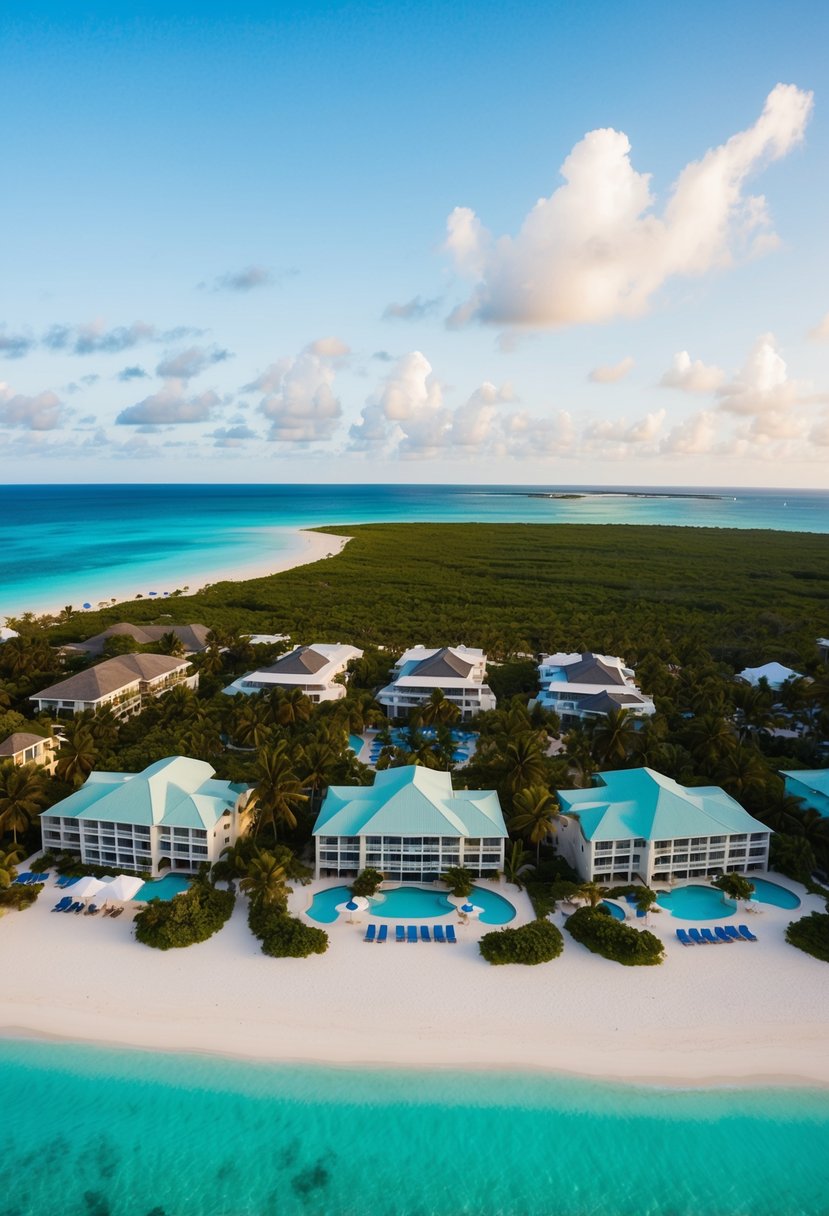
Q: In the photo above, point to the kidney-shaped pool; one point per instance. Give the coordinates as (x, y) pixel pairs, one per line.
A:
(412, 903)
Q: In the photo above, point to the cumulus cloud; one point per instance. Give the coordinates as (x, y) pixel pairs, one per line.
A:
(820, 333)
(168, 406)
(407, 407)
(694, 436)
(413, 310)
(15, 346)
(233, 436)
(762, 386)
(93, 337)
(645, 430)
(41, 412)
(186, 364)
(596, 248)
(692, 376)
(610, 373)
(299, 398)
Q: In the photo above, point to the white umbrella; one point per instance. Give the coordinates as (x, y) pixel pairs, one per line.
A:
(357, 903)
(122, 888)
(470, 911)
(86, 887)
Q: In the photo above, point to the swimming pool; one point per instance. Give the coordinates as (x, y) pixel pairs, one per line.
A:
(465, 742)
(707, 903)
(412, 903)
(614, 909)
(162, 888)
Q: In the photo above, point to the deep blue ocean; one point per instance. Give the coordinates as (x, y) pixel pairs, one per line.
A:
(83, 544)
(91, 1132)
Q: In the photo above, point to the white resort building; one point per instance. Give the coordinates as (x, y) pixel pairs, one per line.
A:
(638, 824)
(458, 672)
(117, 684)
(173, 816)
(25, 748)
(584, 686)
(411, 825)
(317, 670)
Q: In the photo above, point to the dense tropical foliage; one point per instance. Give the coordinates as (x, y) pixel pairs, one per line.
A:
(190, 917)
(602, 934)
(540, 941)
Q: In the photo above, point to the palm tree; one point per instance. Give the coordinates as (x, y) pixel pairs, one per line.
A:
(22, 796)
(264, 881)
(278, 792)
(439, 709)
(523, 763)
(77, 754)
(742, 772)
(592, 892)
(711, 738)
(317, 761)
(8, 865)
(535, 811)
(516, 864)
(614, 737)
(170, 643)
(293, 706)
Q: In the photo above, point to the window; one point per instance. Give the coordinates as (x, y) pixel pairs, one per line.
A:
(639, 843)
(603, 846)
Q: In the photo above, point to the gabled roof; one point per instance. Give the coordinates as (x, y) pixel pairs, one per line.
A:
(111, 676)
(444, 662)
(410, 801)
(605, 701)
(640, 802)
(305, 660)
(592, 669)
(178, 791)
(19, 741)
(192, 637)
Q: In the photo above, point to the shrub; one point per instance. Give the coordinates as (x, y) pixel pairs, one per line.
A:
(792, 856)
(190, 917)
(596, 929)
(19, 895)
(284, 936)
(459, 880)
(735, 886)
(367, 883)
(537, 942)
(811, 934)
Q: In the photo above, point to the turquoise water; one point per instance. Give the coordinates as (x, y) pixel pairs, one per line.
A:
(613, 909)
(110, 1133)
(772, 893)
(162, 888)
(466, 742)
(94, 542)
(707, 903)
(412, 903)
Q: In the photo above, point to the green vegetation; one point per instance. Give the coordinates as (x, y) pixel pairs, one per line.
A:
(459, 880)
(811, 934)
(284, 936)
(19, 897)
(537, 942)
(191, 917)
(735, 886)
(602, 934)
(367, 883)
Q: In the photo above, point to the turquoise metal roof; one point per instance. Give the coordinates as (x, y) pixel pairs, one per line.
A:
(814, 779)
(410, 801)
(639, 802)
(178, 792)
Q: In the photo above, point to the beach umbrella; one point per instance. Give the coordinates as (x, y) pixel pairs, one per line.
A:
(86, 887)
(87, 605)
(153, 593)
(357, 903)
(470, 911)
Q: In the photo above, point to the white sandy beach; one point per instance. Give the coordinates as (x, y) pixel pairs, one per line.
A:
(749, 1013)
(304, 547)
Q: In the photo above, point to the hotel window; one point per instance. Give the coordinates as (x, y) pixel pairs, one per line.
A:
(678, 857)
(681, 844)
(181, 832)
(662, 844)
(604, 846)
(640, 843)
(758, 836)
(717, 840)
(737, 837)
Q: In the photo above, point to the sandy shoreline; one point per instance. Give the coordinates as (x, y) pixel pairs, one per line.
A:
(307, 547)
(749, 1015)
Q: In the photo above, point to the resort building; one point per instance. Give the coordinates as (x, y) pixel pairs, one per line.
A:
(173, 816)
(638, 824)
(193, 638)
(823, 649)
(410, 824)
(117, 684)
(810, 784)
(457, 671)
(25, 748)
(318, 671)
(774, 674)
(584, 686)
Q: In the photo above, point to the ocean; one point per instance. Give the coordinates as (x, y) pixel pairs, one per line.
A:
(85, 544)
(93, 1132)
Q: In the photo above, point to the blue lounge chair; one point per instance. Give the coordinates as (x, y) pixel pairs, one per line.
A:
(745, 932)
(450, 935)
(696, 937)
(708, 936)
(21, 879)
(371, 933)
(438, 933)
(411, 933)
(684, 938)
(63, 904)
(732, 934)
(721, 934)
(425, 935)
(93, 910)
(383, 934)
(399, 933)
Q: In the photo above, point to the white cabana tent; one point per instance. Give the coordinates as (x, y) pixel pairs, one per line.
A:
(775, 675)
(86, 887)
(121, 888)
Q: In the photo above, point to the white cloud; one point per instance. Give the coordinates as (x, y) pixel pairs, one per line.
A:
(762, 385)
(610, 373)
(299, 400)
(186, 364)
(41, 412)
(692, 376)
(595, 249)
(93, 337)
(694, 436)
(820, 333)
(645, 430)
(413, 310)
(407, 409)
(169, 406)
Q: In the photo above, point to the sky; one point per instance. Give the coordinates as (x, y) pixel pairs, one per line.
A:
(542, 243)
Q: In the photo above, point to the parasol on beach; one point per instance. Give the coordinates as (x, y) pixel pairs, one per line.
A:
(357, 903)
(469, 911)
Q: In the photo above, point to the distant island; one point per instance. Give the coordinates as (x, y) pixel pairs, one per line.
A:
(620, 494)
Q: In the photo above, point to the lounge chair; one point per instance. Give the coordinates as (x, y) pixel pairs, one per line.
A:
(684, 938)
(745, 932)
(62, 904)
(92, 910)
(383, 933)
(411, 933)
(78, 907)
(450, 935)
(20, 881)
(721, 934)
(425, 935)
(732, 934)
(371, 933)
(399, 933)
(116, 912)
(696, 937)
(438, 933)
(708, 936)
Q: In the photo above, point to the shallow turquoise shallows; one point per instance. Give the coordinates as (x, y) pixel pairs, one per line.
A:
(412, 903)
(162, 888)
(111, 1133)
(707, 903)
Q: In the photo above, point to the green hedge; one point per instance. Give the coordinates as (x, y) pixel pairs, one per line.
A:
(811, 934)
(538, 942)
(284, 936)
(186, 919)
(596, 929)
(19, 895)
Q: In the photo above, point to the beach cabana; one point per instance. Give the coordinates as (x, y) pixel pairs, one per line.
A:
(122, 888)
(86, 887)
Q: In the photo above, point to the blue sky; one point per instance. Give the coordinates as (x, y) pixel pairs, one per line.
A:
(301, 243)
